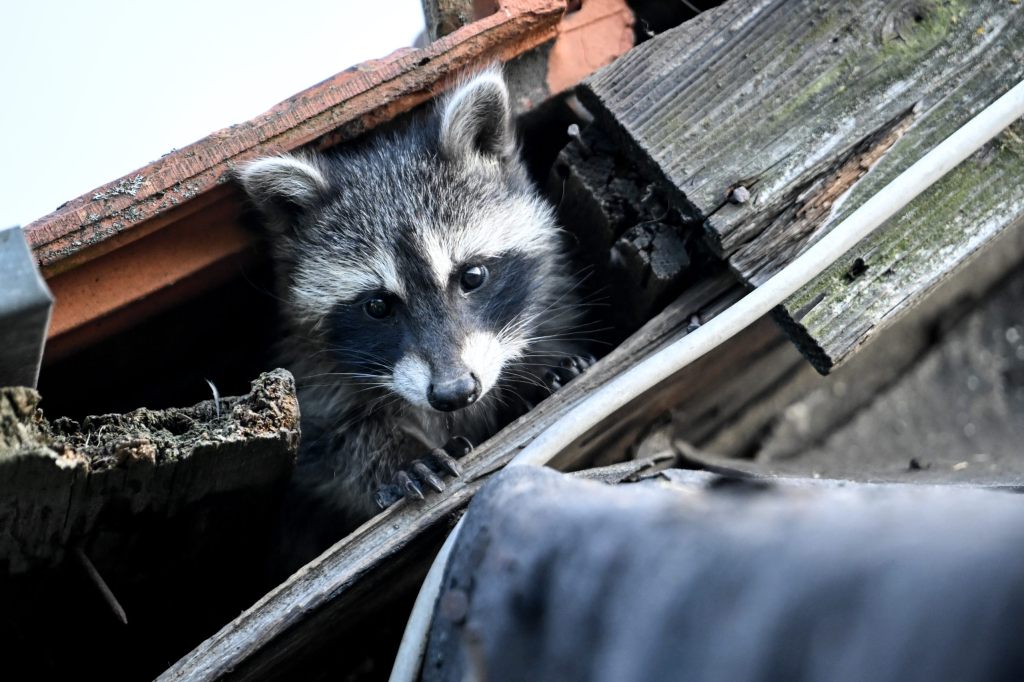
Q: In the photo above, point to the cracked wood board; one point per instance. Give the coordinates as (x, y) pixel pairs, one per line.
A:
(167, 207)
(357, 576)
(813, 107)
(60, 481)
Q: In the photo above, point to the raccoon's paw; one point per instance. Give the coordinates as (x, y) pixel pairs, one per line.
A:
(429, 470)
(568, 369)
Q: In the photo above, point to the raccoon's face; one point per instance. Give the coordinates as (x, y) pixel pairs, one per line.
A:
(421, 262)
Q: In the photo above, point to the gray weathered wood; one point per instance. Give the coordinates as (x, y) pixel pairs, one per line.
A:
(61, 481)
(362, 571)
(748, 410)
(955, 414)
(813, 107)
(25, 305)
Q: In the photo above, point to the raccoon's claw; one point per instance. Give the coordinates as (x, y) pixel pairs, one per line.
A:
(568, 369)
(442, 460)
(408, 485)
(428, 471)
(428, 476)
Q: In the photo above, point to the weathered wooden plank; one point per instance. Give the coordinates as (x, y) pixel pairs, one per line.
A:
(330, 593)
(949, 407)
(779, 408)
(888, 273)
(61, 481)
(811, 108)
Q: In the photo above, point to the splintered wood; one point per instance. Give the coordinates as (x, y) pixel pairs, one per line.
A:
(799, 111)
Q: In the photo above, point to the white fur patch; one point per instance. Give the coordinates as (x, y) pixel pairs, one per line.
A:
(321, 283)
(484, 355)
(522, 225)
(439, 256)
(411, 380)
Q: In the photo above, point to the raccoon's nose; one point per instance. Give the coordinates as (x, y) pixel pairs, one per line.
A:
(454, 394)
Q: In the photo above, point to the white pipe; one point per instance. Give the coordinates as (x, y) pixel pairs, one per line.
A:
(658, 367)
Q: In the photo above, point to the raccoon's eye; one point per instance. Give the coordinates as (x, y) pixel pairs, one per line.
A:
(473, 277)
(378, 308)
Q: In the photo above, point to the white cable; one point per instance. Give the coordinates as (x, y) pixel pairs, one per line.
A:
(658, 367)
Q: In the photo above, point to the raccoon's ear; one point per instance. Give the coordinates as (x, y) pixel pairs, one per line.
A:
(476, 119)
(283, 187)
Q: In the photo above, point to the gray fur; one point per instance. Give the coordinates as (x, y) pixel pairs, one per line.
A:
(405, 212)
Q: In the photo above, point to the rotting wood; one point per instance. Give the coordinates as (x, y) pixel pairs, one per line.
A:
(812, 108)
(627, 228)
(334, 589)
(186, 185)
(734, 413)
(59, 479)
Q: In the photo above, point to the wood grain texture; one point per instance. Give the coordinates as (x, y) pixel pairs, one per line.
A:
(813, 107)
(359, 573)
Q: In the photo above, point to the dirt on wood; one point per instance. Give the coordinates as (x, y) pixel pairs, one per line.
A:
(156, 436)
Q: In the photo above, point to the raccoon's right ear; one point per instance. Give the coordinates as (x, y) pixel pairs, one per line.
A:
(284, 187)
(476, 119)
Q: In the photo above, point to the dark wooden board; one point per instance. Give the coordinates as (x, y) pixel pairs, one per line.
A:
(813, 107)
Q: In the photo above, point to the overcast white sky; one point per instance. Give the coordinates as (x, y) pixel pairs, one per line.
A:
(91, 90)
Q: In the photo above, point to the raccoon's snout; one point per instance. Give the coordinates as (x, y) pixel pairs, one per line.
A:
(454, 394)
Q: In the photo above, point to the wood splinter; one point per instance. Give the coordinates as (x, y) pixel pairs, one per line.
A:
(101, 585)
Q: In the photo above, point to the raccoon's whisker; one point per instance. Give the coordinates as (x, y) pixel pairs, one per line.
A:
(576, 329)
(527, 378)
(531, 318)
(357, 352)
(568, 337)
(356, 375)
(262, 290)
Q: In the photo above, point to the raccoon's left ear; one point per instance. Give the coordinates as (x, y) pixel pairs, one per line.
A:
(284, 187)
(477, 120)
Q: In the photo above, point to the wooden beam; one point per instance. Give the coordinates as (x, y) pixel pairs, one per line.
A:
(807, 109)
(184, 188)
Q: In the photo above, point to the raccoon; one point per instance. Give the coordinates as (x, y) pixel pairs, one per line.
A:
(425, 289)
